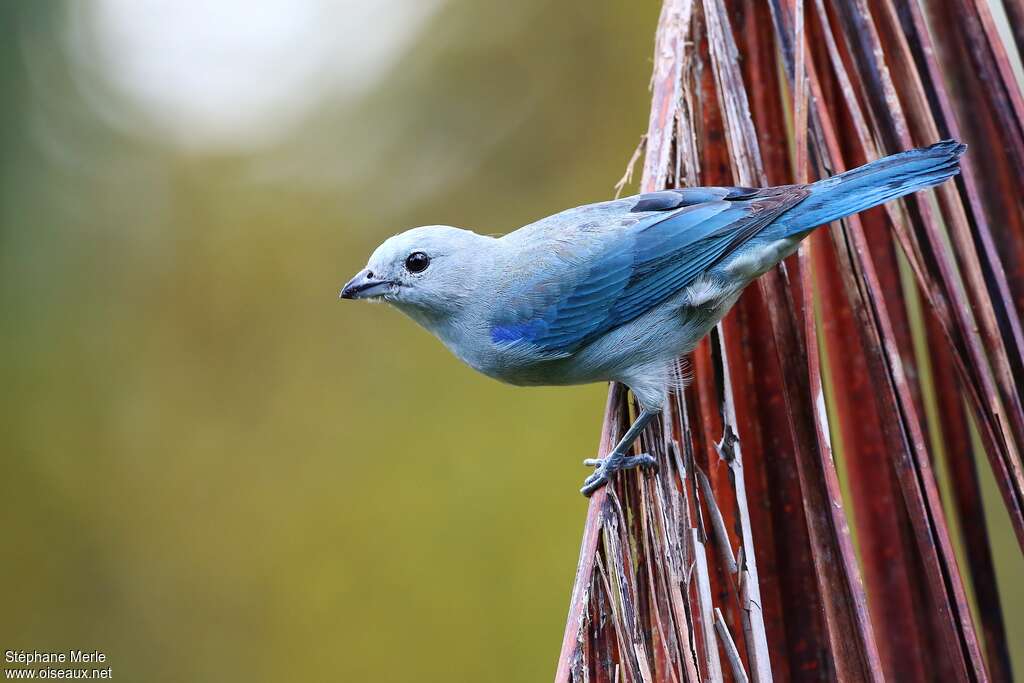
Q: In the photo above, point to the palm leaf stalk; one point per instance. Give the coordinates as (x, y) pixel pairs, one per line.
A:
(883, 345)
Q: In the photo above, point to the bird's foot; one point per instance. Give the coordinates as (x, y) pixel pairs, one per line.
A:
(606, 467)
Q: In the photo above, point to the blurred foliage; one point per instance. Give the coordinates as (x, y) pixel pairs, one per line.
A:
(212, 470)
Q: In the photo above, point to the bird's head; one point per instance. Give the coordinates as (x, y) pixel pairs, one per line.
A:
(428, 271)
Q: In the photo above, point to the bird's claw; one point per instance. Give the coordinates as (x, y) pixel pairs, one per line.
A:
(608, 466)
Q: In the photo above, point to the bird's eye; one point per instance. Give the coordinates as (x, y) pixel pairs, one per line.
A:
(417, 262)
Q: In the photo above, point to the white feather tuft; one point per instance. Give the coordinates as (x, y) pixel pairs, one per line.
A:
(702, 291)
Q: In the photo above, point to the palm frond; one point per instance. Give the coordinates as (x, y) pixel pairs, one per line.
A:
(876, 351)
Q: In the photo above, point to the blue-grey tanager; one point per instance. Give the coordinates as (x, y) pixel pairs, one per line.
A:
(618, 290)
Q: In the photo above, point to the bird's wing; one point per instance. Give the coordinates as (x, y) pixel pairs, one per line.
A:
(587, 278)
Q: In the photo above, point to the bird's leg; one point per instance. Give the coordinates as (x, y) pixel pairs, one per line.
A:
(617, 459)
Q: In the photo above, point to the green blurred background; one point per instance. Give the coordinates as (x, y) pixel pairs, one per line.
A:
(211, 469)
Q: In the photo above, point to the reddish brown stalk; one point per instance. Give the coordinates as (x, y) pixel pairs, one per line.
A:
(963, 477)
(666, 85)
(734, 560)
(885, 262)
(906, 442)
(575, 630)
(911, 20)
(1003, 357)
(897, 602)
(957, 317)
(852, 645)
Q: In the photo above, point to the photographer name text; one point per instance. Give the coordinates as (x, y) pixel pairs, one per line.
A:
(26, 664)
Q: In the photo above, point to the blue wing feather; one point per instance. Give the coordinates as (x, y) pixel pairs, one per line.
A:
(617, 274)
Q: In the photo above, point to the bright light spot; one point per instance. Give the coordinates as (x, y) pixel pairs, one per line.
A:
(239, 72)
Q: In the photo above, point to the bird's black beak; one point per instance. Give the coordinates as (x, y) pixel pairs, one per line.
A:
(364, 286)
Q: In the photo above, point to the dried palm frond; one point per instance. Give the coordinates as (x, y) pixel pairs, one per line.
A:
(895, 334)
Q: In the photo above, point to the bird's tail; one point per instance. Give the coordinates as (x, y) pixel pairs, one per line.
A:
(873, 184)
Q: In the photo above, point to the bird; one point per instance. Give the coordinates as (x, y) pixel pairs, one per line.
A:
(619, 290)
